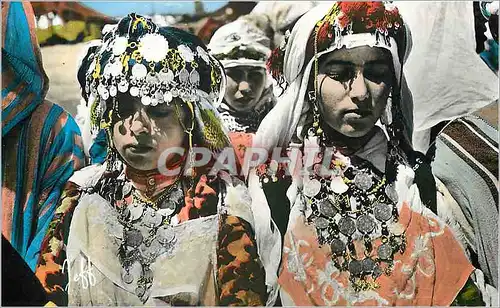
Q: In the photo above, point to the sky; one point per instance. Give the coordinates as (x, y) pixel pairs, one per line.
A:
(121, 8)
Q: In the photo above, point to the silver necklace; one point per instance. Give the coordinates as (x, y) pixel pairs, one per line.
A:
(362, 211)
(147, 234)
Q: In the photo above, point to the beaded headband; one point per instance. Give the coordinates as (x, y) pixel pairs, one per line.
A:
(345, 18)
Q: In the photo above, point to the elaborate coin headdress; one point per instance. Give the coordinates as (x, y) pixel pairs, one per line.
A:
(156, 65)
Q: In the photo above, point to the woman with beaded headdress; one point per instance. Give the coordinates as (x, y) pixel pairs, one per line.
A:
(362, 228)
(149, 225)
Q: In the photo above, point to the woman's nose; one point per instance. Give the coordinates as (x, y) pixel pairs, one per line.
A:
(358, 88)
(140, 122)
(244, 88)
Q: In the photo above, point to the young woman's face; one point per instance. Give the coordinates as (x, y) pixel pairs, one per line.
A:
(355, 84)
(143, 132)
(244, 86)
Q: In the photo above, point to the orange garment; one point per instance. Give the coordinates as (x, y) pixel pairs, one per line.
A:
(240, 142)
(431, 271)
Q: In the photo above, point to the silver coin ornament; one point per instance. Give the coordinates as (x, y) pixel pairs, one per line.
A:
(127, 277)
(382, 211)
(134, 91)
(365, 224)
(337, 246)
(368, 265)
(152, 251)
(363, 181)
(126, 189)
(355, 267)
(312, 187)
(347, 226)
(146, 100)
(384, 251)
(166, 234)
(390, 191)
(139, 71)
(113, 91)
(151, 219)
(165, 212)
(136, 211)
(133, 238)
(326, 208)
(123, 86)
(321, 223)
(140, 291)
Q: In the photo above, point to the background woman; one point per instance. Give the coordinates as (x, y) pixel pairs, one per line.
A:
(243, 50)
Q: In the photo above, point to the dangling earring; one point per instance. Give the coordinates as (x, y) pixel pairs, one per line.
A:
(189, 131)
(316, 129)
(386, 117)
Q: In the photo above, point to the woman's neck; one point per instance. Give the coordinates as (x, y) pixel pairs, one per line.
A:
(346, 145)
(149, 183)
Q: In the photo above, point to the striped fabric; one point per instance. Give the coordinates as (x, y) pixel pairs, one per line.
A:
(467, 163)
(41, 143)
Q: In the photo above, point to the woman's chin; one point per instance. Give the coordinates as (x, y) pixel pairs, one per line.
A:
(356, 130)
(142, 162)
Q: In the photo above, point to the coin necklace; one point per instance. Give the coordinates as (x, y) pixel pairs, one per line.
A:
(364, 207)
(147, 234)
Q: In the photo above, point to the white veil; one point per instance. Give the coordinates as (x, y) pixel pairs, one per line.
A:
(446, 76)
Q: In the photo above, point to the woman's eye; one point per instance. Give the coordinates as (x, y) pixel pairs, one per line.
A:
(235, 74)
(341, 75)
(378, 73)
(255, 77)
(125, 110)
(159, 111)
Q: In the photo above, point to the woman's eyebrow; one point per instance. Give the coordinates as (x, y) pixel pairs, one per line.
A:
(344, 62)
(338, 62)
(378, 61)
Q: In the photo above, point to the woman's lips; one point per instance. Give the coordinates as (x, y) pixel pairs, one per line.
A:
(356, 114)
(244, 100)
(139, 148)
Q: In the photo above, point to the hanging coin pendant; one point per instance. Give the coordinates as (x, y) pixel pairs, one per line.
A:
(390, 191)
(337, 246)
(382, 212)
(355, 267)
(368, 265)
(384, 251)
(312, 187)
(363, 181)
(151, 219)
(321, 223)
(126, 189)
(139, 291)
(147, 274)
(365, 224)
(326, 208)
(347, 226)
(166, 234)
(127, 277)
(133, 238)
(165, 212)
(126, 213)
(136, 211)
(152, 250)
(376, 272)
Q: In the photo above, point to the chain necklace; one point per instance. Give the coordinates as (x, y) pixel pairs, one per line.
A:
(147, 234)
(356, 203)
